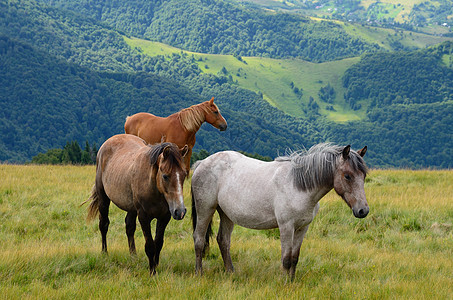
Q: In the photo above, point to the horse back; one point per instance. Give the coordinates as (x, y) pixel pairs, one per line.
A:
(244, 188)
(151, 128)
(116, 161)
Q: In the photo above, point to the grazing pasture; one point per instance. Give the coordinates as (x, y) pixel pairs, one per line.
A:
(403, 249)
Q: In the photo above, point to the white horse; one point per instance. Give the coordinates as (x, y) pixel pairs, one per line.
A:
(264, 195)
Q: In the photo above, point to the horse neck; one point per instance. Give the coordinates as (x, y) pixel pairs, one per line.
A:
(315, 186)
(193, 117)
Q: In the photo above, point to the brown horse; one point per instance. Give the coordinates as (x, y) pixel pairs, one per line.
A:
(179, 128)
(143, 180)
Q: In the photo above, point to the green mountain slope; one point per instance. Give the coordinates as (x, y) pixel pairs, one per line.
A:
(221, 27)
(45, 102)
(286, 84)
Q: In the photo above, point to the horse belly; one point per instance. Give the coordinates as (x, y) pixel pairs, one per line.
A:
(248, 209)
(121, 197)
(117, 188)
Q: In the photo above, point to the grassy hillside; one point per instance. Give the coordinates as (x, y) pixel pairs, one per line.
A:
(272, 78)
(275, 79)
(403, 248)
(393, 39)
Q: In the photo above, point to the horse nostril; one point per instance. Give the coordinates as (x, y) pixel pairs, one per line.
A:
(223, 127)
(179, 214)
(363, 212)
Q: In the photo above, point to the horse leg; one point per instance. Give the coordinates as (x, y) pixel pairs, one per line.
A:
(150, 248)
(286, 241)
(187, 160)
(295, 251)
(104, 203)
(199, 235)
(159, 239)
(224, 239)
(131, 225)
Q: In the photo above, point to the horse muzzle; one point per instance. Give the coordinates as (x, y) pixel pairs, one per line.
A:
(178, 214)
(223, 127)
(361, 212)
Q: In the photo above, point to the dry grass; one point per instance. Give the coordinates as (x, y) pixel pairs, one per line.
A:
(403, 249)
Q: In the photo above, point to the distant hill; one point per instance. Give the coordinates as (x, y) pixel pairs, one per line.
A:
(222, 27)
(433, 17)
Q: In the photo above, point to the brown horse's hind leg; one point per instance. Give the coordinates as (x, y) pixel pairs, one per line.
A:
(131, 225)
(224, 239)
(159, 239)
(150, 247)
(104, 203)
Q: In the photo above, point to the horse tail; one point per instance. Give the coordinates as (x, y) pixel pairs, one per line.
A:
(194, 225)
(127, 125)
(93, 209)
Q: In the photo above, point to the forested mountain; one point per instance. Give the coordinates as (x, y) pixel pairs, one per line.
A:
(400, 78)
(220, 27)
(66, 76)
(46, 102)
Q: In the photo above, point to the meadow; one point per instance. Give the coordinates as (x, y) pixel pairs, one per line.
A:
(403, 249)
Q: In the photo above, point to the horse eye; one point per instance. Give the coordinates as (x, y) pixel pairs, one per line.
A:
(165, 177)
(216, 112)
(347, 177)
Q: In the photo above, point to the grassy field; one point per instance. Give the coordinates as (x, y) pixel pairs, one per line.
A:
(403, 249)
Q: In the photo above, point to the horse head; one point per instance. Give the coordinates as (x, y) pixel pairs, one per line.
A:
(170, 178)
(214, 117)
(349, 180)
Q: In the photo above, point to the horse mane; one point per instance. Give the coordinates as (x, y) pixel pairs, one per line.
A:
(315, 167)
(174, 156)
(192, 117)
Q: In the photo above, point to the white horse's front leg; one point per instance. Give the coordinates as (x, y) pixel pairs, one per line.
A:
(299, 235)
(286, 241)
(291, 241)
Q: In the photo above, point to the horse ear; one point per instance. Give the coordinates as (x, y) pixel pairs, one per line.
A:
(362, 151)
(346, 151)
(184, 150)
(211, 102)
(166, 151)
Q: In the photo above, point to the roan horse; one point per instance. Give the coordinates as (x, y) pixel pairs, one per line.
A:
(264, 195)
(179, 128)
(143, 180)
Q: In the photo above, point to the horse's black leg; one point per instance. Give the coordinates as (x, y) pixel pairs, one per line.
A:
(104, 203)
(224, 239)
(131, 225)
(150, 248)
(297, 243)
(286, 241)
(159, 239)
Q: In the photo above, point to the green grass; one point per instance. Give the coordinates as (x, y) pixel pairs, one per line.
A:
(403, 249)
